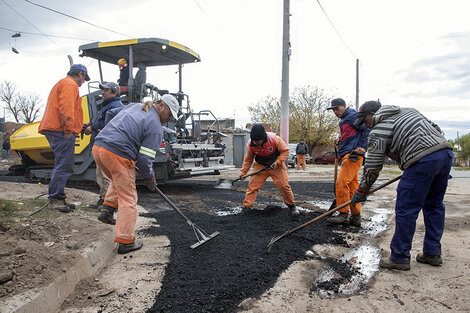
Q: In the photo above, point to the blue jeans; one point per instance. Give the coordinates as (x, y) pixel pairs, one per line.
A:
(6, 153)
(64, 152)
(422, 186)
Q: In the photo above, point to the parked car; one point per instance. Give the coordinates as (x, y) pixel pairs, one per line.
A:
(292, 159)
(327, 158)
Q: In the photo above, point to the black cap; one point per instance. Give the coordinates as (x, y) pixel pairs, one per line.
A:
(258, 132)
(365, 109)
(336, 103)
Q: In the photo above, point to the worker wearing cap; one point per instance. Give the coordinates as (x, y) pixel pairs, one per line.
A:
(130, 140)
(352, 147)
(123, 72)
(61, 123)
(267, 149)
(300, 151)
(421, 151)
(111, 100)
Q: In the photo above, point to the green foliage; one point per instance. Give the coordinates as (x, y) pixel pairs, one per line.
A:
(461, 147)
(308, 118)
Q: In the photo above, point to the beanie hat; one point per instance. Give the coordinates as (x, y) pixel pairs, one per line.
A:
(258, 132)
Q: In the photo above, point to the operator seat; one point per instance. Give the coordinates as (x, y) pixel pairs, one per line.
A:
(140, 80)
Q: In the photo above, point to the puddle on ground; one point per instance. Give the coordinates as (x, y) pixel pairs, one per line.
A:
(322, 204)
(377, 223)
(363, 260)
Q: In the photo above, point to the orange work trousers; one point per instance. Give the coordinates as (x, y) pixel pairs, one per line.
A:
(279, 177)
(300, 159)
(347, 183)
(121, 192)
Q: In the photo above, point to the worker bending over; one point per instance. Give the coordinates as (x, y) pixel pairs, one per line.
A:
(130, 140)
(420, 149)
(267, 149)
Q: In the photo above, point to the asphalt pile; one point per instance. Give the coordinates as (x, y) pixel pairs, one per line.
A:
(235, 265)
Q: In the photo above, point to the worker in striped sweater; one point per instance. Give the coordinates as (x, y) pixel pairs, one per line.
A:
(421, 151)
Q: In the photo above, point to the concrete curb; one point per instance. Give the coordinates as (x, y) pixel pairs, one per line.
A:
(50, 298)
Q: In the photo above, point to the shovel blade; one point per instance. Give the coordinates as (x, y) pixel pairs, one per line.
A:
(333, 205)
(204, 240)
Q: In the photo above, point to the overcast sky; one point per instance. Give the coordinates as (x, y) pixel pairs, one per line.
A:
(412, 53)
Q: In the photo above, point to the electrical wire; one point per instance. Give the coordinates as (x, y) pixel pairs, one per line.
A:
(29, 33)
(34, 26)
(75, 18)
(332, 25)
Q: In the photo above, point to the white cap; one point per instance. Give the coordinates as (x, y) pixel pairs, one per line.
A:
(172, 104)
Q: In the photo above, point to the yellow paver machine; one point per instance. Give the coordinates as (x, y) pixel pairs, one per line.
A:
(186, 151)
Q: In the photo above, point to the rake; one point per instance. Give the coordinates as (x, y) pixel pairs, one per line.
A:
(289, 232)
(201, 236)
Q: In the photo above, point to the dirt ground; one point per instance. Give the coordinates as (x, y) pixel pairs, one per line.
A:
(39, 248)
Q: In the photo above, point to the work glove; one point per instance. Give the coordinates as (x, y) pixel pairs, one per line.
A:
(151, 184)
(359, 196)
(353, 157)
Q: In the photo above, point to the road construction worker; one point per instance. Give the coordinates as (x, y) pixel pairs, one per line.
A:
(352, 147)
(123, 72)
(61, 123)
(301, 151)
(267, 149)
(111, 100)
(129, 141)
(420, 149)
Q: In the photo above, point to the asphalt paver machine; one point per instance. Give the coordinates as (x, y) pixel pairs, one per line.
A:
(187, 150)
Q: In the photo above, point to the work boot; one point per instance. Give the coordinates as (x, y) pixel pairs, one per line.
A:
(97, 204)
(245, 209)
(59, 205)
(389, 264)
(107, 215)
(434, 260)
(129, 247)
(341, 219)
(70, 205)
(355, 220)
(293, 210)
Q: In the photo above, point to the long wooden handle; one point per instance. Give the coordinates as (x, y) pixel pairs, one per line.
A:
(287, 233)
(255, 172)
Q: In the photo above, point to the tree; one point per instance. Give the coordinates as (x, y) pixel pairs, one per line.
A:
(24, 107)
(461, 147)
(8, 95)
(308, 118)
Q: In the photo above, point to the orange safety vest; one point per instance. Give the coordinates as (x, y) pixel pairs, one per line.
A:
(268, 153)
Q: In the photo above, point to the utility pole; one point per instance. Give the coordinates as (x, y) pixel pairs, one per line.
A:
(357, 84)
(285, 74)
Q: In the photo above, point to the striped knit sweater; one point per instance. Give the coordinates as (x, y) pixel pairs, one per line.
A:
(402, 134)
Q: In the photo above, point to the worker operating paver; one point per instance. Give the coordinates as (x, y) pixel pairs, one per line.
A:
(420, 149)
(130, 140)
(267, 149)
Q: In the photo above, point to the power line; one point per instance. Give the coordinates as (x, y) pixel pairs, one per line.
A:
(34, 26)
(337, 32)
(72, 17)
(56, 36)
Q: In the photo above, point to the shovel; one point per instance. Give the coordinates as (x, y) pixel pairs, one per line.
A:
(227, 184)
(333, 204)
(287, 233)
(201, 235)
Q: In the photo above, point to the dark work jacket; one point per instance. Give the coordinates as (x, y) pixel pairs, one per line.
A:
(352, 137)
(108, 104)
(124, 76)
(6, 145)
(301, 148)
